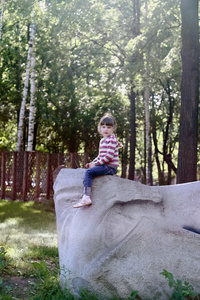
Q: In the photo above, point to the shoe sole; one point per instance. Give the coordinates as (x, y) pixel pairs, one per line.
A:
(81, 205)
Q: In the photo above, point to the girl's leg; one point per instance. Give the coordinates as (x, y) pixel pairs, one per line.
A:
(94, 172)
(87, 182)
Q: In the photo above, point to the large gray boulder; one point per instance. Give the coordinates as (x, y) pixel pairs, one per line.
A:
(128, 236)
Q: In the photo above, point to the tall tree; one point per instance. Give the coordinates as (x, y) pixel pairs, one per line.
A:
(187, 157)
(32, 107)
(148, 127)
(25, 92)
(135, 29)
(147, 110)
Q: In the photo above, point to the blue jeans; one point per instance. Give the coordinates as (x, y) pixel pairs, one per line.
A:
(96, 171)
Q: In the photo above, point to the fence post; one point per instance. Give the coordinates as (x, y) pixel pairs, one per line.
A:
(3, 174)
(48, 175)
(25, 176)
(19, 173)
(38, 171)
(13, 196)
(21, 170)
(86, 158)
(60, 159)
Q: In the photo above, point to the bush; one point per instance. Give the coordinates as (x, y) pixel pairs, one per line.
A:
(48, 286)
(181, 291)
(3, 262)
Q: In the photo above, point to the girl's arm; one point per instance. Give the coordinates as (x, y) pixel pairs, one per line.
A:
(92, 164)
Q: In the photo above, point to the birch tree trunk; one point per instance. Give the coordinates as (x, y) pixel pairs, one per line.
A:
(32, 102)
(148, 127)
(1, 22)
(25, 92)
(147, 112)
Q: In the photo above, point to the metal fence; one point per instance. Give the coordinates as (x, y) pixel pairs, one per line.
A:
(29, 175)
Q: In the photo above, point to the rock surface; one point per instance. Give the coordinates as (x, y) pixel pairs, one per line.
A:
(131, 232)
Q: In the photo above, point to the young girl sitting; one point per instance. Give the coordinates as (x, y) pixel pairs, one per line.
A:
(106, 162)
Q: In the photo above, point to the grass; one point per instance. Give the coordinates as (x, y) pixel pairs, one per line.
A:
(27, 232)
(29, 264)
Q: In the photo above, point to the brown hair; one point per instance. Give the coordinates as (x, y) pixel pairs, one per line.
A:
(108, 120)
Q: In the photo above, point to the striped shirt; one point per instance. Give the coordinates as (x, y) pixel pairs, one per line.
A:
(108, 152)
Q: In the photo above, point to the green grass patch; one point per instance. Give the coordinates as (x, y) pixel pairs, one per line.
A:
(27, 232)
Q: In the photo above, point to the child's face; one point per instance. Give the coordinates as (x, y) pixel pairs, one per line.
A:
(106, 130)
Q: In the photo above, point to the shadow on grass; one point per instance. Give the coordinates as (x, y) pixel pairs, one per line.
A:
(29, 214)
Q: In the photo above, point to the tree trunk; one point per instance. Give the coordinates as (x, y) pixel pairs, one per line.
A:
(161, 179)
(187, 156)
(148, 128)
(1, 22)
(124, 158)
(144, 167)
(147, 111)
(32, 102)
(135, 32)
(133, 137)
(25, 92)
(167, 156)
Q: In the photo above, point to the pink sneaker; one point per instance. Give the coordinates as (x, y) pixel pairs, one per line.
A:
(85, 200)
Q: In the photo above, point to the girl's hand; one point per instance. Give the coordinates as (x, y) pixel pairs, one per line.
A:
(90, 165)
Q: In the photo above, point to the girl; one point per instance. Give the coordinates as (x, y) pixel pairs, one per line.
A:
(106, 162)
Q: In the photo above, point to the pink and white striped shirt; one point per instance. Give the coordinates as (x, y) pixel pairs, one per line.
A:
(108, 152)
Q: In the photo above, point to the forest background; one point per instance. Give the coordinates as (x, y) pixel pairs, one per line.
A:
(63, 64)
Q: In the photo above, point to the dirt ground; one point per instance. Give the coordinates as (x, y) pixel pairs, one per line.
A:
(21, 287)
(18, 286)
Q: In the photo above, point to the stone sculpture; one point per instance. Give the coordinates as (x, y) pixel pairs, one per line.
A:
(128, 236)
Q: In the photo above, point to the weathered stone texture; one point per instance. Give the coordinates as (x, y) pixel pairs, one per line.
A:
(128, 236)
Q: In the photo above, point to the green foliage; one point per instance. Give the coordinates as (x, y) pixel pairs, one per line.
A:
(3, 262)
(6, 296)
(4, 290)
(133, 295)
(48, 286)
(48, 283)
(86, 295)
(181, 291)
(87, 55)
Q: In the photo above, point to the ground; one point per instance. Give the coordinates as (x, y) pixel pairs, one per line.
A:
(19, 287)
